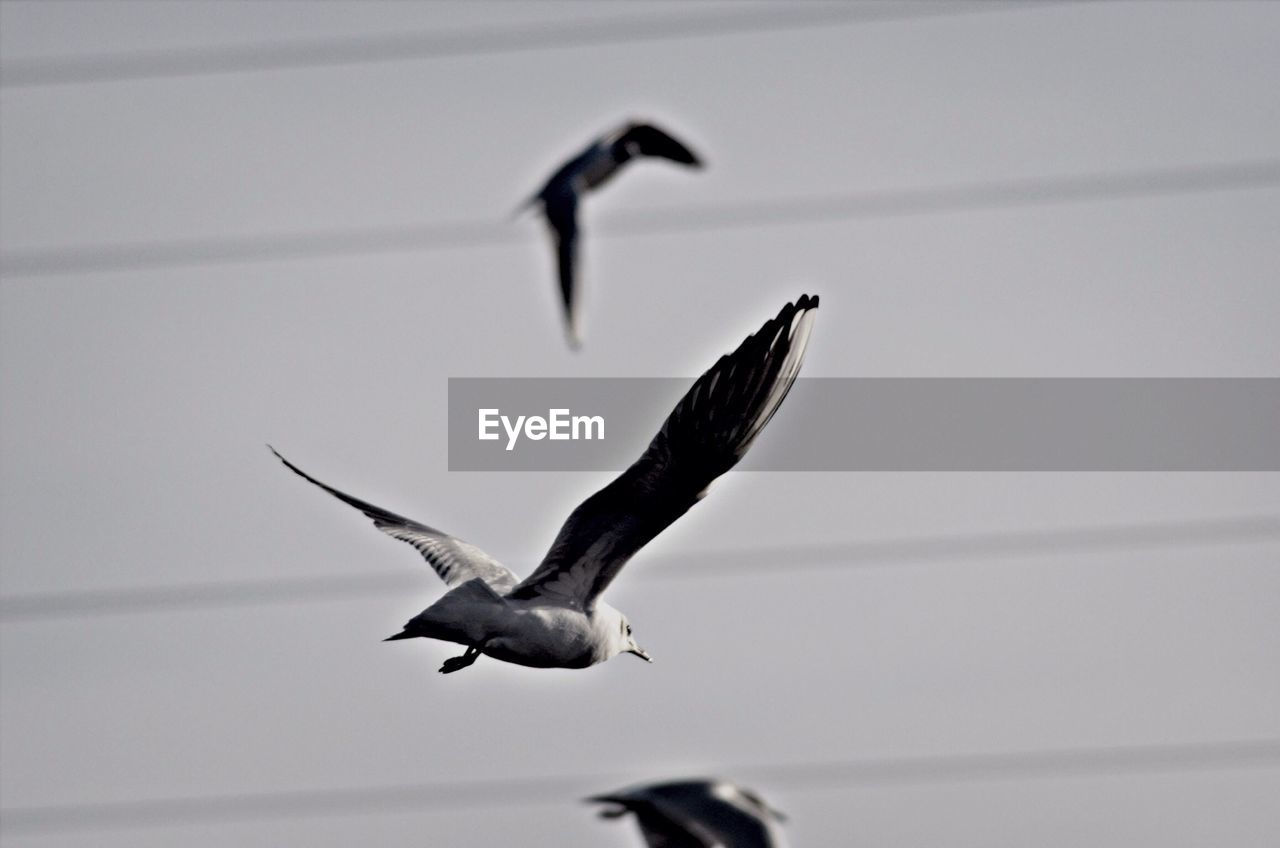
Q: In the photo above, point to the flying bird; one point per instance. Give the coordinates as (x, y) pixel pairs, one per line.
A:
(588, 170)
(696, 814)
(554, 618)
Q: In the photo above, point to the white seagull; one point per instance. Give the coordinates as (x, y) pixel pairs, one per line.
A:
(588, 170)
(555, 618)
(696, 814)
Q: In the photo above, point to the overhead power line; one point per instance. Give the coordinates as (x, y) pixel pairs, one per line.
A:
(710, 564)
(566, 789)
(1000, 194)
(474, 41)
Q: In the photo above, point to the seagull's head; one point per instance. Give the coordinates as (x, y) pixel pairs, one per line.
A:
(618, 630)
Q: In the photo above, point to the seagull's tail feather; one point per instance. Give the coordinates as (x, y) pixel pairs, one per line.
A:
(403, 634)
(616, 809)
(463, 615)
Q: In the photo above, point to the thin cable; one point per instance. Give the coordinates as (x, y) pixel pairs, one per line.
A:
(565, 789)
(475, 41)
(704, 565)
(1003, 194)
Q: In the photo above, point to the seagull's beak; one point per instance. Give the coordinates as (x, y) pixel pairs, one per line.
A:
(639, 652)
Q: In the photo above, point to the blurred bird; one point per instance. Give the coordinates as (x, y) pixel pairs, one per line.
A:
(554, 618)
(696, 814)
(588, 170)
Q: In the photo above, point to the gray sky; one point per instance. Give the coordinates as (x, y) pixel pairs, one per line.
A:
(136, 403)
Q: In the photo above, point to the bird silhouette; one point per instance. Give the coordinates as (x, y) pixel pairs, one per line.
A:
(555, 618)
(696, 814)
(588, 170)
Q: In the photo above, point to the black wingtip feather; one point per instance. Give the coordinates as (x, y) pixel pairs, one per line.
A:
(655, 141)
(372, 511)
(727, 407)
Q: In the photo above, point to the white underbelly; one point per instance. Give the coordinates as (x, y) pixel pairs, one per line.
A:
(545, 637)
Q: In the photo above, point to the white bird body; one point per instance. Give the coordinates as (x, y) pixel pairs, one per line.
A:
(555, 618)
(530, 633)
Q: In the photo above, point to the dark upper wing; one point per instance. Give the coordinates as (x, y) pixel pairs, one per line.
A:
(659, 828)
(662, 830)
(561, 208)
(454, 560)
(706, 434)
(648, 140)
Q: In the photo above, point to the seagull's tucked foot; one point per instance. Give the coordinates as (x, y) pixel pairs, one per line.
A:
(458, 663)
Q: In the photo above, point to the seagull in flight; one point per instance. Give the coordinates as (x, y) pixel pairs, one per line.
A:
(588, 170)
(696, 814)
(554, 618)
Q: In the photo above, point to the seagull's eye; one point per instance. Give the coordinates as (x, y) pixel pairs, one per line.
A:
(628, 629)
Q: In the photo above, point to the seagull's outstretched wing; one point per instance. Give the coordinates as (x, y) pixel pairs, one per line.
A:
(648, 140)
(707, 433)
(561, 209)
(454, 560)
(695, 814)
